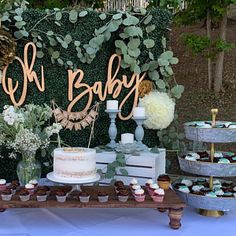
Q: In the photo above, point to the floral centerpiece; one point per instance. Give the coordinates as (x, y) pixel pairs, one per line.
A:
(25, 131)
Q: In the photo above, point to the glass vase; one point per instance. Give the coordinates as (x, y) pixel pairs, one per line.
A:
(28, 168)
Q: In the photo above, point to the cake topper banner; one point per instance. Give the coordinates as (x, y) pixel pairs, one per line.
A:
(113, 85)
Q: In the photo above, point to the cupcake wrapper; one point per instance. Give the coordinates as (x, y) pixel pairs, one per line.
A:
(102, 198)
(140, 198)
(84, 199)
(3, 187)
(123, 198)
(6, 197)
(13, 191)
(41, 198)
(157, 198)
(31, 191)
(61, 198)
(164, 185)
(25, 198)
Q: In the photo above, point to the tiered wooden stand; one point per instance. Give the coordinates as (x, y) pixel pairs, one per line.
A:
(171, 202)
(209, 206)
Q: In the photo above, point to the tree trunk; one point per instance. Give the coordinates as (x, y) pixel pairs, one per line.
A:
(220, 57)
(209, 60)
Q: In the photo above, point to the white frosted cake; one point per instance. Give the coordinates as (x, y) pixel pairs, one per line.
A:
(74, 163)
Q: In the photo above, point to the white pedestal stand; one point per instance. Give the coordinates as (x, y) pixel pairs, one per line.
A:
(74, 183)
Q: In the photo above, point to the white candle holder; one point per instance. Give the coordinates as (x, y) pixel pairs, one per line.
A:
(139, 132)
(112, 128)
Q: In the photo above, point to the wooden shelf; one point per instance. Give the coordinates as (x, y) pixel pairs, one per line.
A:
(171, 202)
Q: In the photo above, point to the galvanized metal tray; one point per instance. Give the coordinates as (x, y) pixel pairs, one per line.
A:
(207, 203)
(207, 168)
(210, 135)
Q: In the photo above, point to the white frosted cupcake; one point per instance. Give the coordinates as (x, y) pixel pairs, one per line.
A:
(3, 183)
(139, 195)
(133, 182)
(148, 183)
(30, 188)
(135, 187)
(152, 188)
(158, 195)
(34, 182)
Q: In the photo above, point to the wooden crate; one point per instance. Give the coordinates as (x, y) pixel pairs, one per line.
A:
(146, 166)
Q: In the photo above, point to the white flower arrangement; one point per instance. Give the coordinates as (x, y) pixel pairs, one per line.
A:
(24, 130)
(159, 109)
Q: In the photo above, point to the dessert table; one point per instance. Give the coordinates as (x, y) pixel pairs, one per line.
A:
(87, 222)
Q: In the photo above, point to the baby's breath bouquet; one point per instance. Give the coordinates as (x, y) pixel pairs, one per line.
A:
(26, 130)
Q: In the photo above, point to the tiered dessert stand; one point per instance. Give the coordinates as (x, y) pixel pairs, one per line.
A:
(209, 206)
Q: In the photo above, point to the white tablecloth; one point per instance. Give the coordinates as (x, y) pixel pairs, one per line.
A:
(96, 222)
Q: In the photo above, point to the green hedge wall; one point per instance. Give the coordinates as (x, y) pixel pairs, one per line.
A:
(56, 79)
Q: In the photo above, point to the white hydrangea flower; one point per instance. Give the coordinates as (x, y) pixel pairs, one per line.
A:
(159, 109)
(54, 129)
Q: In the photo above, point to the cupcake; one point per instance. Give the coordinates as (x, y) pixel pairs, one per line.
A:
(158, 195)
(34, 182)
(148, 183)
(123, 195)
(102, 196)
(41, 195)
(133, 182)
(2, 184)
(135, 187)
(118, 185)
(139, 195)
(24, 195)
(152, 188)
(6, 195)
(30, 188)
(61, 196)
(84, 197)
(12, 188)
(16, 184)
(45, 188)
(164, 181)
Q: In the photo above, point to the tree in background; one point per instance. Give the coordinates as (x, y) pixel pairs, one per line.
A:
(211, 11)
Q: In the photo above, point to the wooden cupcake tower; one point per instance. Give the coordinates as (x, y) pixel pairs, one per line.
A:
(209, 206)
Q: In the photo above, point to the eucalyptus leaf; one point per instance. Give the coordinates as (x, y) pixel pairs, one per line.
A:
(58, 16)
(50, 33)
(83, 13)
(154, 75)
(174, 60)
(112, 27)
(149, 43)
(103, 16)
(68, 39)
(39, 44)
(151, 56)
(134, 43)
(160, 84)
(150, 28)
(163, 62)
(73, 15)
(69, 63)
(120, 44)
(145, 67)
(177, 91)
(57, 23)
(123, 172)
(90, 50)
(18, 18)
(137, 69)
(134, 53)
(77, 43)
(64, 44)
(131, 20)
(40, 54)
(117, 16)
(169, 70)
(56, 54)
(19, 11)
(148, 20)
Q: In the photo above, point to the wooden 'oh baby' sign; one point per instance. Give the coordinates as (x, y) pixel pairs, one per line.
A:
(113, 85)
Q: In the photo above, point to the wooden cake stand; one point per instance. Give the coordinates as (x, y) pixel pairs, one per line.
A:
(171, 203)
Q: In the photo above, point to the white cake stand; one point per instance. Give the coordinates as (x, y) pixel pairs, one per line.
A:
(75, 183)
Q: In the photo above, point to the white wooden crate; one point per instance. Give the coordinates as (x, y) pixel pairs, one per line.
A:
(146, 166)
